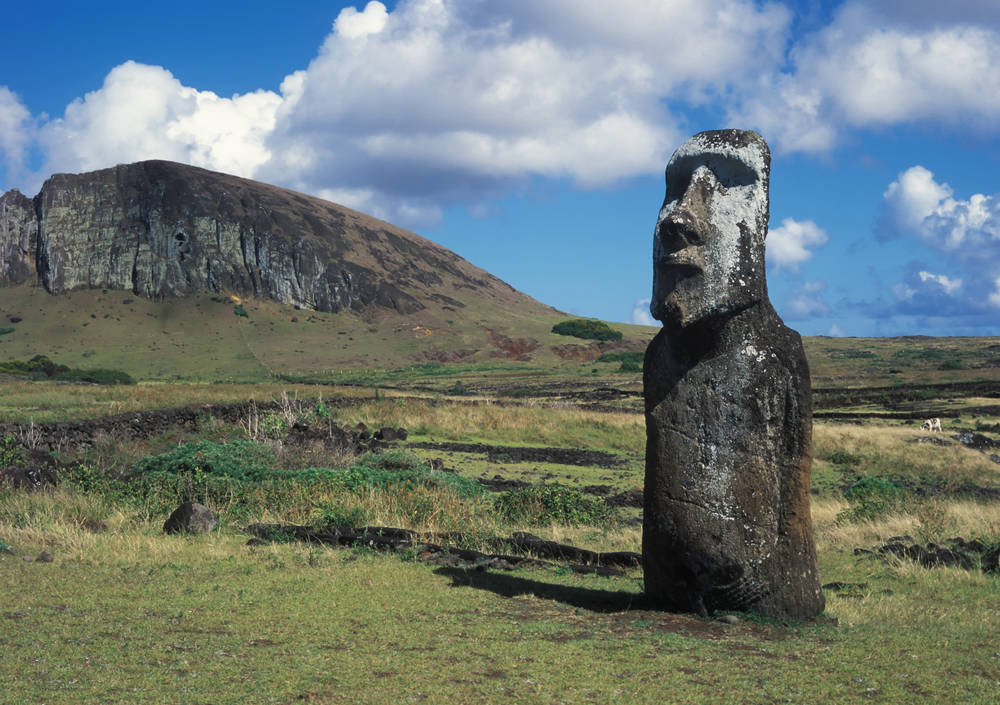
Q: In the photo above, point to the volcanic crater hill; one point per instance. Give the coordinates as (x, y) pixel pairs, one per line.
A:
(162, 229)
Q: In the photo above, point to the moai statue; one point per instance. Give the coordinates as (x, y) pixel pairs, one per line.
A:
(728, 405)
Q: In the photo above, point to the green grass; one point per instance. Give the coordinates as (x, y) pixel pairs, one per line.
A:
(130, 615)
(125, 614)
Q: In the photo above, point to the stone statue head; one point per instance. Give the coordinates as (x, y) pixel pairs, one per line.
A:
(708, 249)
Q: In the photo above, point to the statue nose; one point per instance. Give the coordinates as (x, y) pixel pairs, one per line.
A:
(685, 223)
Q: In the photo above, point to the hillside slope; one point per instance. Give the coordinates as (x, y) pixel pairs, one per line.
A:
(161, 230)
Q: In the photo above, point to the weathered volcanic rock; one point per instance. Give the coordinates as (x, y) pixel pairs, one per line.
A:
(162, 229)
(728, 406)
(192, 518)
(18, 238)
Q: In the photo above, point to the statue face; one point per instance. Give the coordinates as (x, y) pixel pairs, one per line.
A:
(708, 248)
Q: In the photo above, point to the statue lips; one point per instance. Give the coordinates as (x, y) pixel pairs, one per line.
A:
(682, 256)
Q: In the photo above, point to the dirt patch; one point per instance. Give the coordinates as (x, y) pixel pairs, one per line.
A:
(519, 349)
(592, 351)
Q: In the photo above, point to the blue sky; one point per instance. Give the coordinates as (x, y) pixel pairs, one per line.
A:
(530, 136)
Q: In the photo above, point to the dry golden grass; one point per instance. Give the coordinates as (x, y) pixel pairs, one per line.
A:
(23, 401)
(933, 519)
(893, 450)
(533, 425)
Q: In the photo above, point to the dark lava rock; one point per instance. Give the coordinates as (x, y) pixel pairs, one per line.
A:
(599, 490)
(502, 484)
(192, 518)
(934, 440)
(728, 403)
(957, 552)
(31, 477)
(976, 441)
(628, 498)
(387, 433)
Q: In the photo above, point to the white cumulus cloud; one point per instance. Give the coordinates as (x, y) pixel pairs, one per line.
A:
(916, 204)
(641, 315)
(792, 242)
(879, 64)
(950, 286)
(144, 112)
(16, 127)
(353, 24)
(437, 102)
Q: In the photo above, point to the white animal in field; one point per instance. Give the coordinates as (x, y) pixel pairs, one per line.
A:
(931, 425)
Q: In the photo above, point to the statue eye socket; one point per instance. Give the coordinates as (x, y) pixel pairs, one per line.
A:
(728, 172)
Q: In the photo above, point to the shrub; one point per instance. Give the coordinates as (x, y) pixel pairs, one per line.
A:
(41, 367)
(98, 376)
(870, 498)
(842, 457)
(633, 356)
(240, 460)
(552, 504)
(240, 311)
(11, 452)
(587, 328)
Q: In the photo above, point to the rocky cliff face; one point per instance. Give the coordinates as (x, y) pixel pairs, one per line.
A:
(18, 238)
(162, 229)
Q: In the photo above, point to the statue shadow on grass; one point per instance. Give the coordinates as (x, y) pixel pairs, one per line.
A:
(507, 585)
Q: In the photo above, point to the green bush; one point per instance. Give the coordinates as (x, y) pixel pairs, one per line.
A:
(554, 504)
(842, 457)
(98, 376)
(240, 311)
(587, 328)
(870, 498)
(41, 367)
(243, 461)
(11, 452)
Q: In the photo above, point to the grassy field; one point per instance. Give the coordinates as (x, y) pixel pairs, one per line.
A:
(123, 613)
(126, 614)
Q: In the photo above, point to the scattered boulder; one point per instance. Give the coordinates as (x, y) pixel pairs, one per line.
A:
(191, 518)
(45, 557)
(389, 434)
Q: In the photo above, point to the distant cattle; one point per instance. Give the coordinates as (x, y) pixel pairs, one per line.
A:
(932, 425)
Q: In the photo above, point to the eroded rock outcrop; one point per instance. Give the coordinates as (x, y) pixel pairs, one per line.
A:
(728, 408)
(162, 229)
(18, 238)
